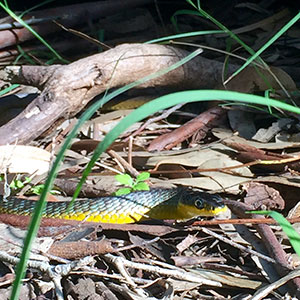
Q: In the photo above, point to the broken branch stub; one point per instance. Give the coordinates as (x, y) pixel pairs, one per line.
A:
(66, 89)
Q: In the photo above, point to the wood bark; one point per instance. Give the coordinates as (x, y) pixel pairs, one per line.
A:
(66, 89)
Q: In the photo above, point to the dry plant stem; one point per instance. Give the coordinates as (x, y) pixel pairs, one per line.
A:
(118, 263)
(132, 171)
(241, 221)
(95, 272)
(182, 275)
(59, 138)
(268, 237)
(52, 227)
(249, 164)
(225, 268)
(54, 272)
(162, 116)
(263, 292)
(236, 245)
(79, 249)
(130, 147)
(67, 89)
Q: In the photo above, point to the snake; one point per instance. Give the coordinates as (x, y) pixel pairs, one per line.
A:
(176, 204)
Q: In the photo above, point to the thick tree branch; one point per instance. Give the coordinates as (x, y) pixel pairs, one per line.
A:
(66, 89)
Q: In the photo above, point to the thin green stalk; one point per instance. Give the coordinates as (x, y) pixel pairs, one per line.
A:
(268, 44)
(18, 19)
(184, 35)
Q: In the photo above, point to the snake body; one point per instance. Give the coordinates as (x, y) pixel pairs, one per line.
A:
(178, 204)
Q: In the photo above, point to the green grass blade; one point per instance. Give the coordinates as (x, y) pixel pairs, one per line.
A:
(36, 218)
(184, 35)
(18, 19)
(25, 55)
(182, 12)
(35, 7)
(206, 15)
(269, 43)
(286, 226)
(8, 89)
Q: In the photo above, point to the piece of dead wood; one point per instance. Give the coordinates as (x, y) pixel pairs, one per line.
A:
(199, 125)
(79, 249)
(67, 89)
(53, 227)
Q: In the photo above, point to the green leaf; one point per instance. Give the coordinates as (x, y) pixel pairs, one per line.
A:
(125, 179)
(37, 190)
(142, 177)
(27, 179)
(123, 191)
(286, 226)
(19, 184)
(141, 186)
(16, 184)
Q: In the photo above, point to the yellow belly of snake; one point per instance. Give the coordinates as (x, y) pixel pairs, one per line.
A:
(175, 204)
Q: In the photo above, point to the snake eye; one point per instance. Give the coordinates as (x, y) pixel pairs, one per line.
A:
(199, 204)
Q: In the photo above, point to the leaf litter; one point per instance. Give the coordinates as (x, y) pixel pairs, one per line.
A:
(191, 260)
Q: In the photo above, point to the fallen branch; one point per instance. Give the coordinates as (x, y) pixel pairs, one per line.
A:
(66, 89)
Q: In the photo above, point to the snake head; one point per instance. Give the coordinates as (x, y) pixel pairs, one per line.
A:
(197, 203)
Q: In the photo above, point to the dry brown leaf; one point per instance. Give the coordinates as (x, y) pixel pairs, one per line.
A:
(249, 81)
(206, 159)
(263, 197)
(24, 159)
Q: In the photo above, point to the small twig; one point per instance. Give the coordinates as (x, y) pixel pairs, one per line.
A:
(241, 221)
(269, 239)
(117, 261)
(41, 266)
(137, 245)
(263, 292)
(130, 144)
(98, 164)
(164, 115)
(132, 171)
(181, 275)
(95, 272)
(54, 272)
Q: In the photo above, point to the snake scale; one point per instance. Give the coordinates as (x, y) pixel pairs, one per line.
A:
(178, 204)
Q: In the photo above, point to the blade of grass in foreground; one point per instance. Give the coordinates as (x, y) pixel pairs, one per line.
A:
(36, 218)
(267, 44)
(286, 226)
